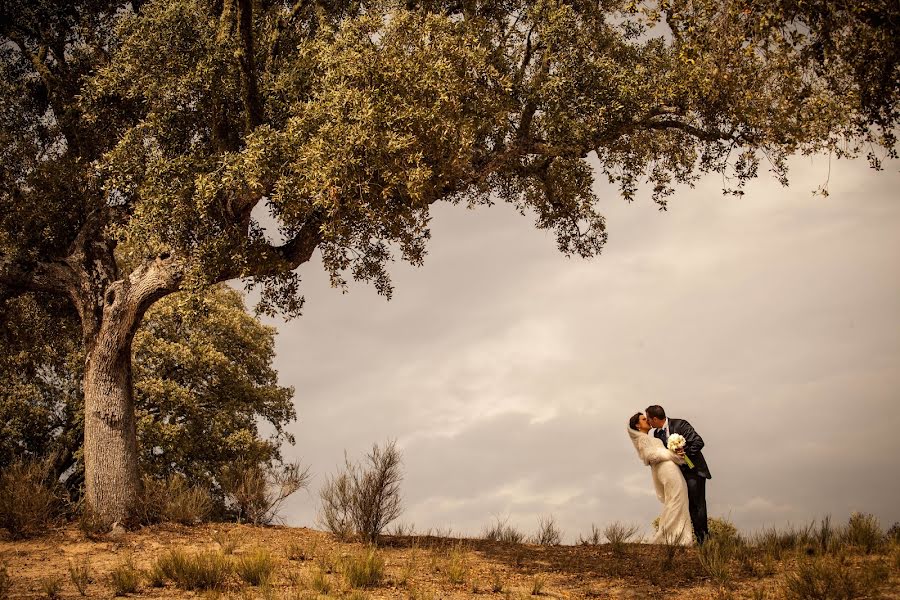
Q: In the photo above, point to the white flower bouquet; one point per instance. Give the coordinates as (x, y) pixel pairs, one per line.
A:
(676, 443)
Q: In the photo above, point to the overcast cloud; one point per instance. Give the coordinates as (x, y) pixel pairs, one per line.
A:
(507, 372)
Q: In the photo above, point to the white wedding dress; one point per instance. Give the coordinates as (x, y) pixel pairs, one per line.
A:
(671, 489)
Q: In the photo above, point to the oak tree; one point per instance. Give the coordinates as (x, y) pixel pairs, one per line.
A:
(206, 395)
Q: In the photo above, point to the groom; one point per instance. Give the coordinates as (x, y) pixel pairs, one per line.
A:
(696, 477)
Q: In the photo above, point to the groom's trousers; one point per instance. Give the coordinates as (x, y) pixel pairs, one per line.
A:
(696, 486)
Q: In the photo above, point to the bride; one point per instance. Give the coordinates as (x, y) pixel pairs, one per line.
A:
(671, 489)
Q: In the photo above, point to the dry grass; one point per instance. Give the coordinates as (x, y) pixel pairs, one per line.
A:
(125, 578)
(29, 505)
(433, 568)
(80, 574)
(255, 567)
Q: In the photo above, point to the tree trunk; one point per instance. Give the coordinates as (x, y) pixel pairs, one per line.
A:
(110, 442)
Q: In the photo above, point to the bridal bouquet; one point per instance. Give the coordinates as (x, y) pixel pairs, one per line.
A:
(677, 442)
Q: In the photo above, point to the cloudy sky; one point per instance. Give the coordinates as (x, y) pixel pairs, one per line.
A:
(507, 372)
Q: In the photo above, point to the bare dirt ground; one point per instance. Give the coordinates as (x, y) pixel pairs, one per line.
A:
(415, 567)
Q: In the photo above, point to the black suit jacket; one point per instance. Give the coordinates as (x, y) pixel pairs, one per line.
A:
(693, 445)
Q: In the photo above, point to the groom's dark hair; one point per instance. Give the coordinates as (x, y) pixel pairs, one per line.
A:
(656, 412)
(633, 421)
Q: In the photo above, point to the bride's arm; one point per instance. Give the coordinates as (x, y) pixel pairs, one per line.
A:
(656, 454)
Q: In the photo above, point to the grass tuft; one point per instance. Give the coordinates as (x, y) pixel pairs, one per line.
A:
(51, 586)
(80, 573)
(364, 570)
(203, 571)
(833, 578)
(255, 567)
(125, 578)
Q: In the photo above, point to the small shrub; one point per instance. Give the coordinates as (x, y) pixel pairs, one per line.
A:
(893, 534)
(356, 595)
(548, 533)
(203, 571)
(51, 586)
(257, 491)
(457, 566)
(722, 528)
(595, 538)
(833, 578)
(537, 584)
(864, 532)
(124, 578)
(364, 498)
(403, 530)
(80, 573)
(364, 570)
(319, 582)
(502, 531)
(618, 535)
(255, 567)
(30, 499)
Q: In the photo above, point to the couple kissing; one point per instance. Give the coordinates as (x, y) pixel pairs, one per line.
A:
(679, 473)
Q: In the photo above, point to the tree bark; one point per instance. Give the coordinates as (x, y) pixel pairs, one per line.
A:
(110, 438)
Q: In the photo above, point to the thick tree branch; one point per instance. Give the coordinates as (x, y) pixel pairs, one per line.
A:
(253, 113)
(16, 278)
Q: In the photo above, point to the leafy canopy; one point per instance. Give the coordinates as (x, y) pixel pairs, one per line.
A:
(348, 119)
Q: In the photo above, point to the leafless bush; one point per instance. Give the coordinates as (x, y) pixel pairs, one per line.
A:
(593, 539)
(365, 497)
(618, 535)
(548, 533)
(30, 499)
(502, 531)
(337, 505)
(257, 491)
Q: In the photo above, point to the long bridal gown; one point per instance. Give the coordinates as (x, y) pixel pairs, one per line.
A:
(671, 489)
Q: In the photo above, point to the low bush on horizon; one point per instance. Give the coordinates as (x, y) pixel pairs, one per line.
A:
(595, 538)
(257, 491)
(548, 533)
(363, 498)
(618, 534)
(864, 532)
(502, 531)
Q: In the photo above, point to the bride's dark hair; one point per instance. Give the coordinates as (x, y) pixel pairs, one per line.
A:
(633, 421)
